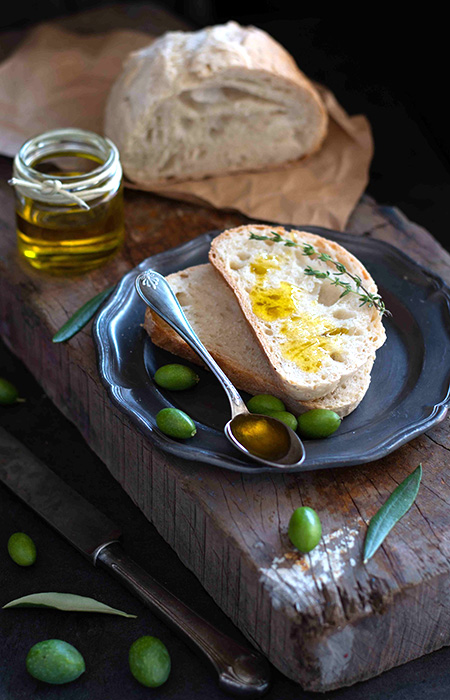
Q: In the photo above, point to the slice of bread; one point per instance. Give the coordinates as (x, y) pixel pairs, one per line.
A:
(214, 313)
(313, 338)
(220, 100)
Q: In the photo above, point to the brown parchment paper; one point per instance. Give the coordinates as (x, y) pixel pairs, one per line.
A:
(59, 79)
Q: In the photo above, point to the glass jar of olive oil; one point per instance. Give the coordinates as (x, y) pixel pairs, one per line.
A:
(69, 200)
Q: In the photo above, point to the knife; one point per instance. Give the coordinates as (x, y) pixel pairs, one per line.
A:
(241, 670)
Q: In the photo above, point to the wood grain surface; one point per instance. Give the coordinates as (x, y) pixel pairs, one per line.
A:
(324, 619)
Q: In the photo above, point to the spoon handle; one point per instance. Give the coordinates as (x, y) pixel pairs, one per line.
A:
(241, 671)
(156, 292)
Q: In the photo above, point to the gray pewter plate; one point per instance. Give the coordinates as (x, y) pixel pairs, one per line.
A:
(408, 394)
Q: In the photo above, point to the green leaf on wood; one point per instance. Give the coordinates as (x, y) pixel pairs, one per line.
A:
(398, 503)
(81, 317)
(64, 601)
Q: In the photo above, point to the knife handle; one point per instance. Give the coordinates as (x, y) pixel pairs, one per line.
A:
(241, 670)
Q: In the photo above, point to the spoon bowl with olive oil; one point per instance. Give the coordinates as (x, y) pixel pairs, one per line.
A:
(262, 438)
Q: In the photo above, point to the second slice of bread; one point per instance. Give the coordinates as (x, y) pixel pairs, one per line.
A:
(312, 337)
(214, 313)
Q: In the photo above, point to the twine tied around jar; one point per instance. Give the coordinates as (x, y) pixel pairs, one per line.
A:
(55, 191)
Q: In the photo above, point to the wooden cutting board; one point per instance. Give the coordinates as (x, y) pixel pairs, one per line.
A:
(325, 619)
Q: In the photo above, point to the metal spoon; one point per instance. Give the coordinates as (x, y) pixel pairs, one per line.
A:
(156, 292)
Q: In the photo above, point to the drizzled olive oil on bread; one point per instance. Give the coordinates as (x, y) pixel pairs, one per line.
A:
(310, 303)
(306, 338)
(214, 312)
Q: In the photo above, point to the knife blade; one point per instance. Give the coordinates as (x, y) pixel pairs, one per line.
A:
(77, 520)
(241, 671)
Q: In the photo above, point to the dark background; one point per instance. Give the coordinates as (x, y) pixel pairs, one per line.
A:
(387, 68)
(104, 640)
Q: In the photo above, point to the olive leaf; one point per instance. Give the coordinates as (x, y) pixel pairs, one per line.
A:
(84, 314)
(398, 503)
(64, 601)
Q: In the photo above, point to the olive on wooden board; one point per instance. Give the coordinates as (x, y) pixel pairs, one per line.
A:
(305, 529)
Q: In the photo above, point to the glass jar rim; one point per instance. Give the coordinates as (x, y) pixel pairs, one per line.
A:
(61, 189)
(60, 140)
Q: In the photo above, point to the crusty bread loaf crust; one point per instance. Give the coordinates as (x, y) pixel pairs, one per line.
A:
(220, 100)
(214, 313)
(318, 339)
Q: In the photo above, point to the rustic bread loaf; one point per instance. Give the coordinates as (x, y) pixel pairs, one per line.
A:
(214, 313)
(312, 337)
(220, 100)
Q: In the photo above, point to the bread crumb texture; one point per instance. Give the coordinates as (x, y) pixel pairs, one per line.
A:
(313, 337)
(223, 99)
(213, 310)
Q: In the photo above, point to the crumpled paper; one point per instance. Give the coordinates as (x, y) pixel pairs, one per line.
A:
(60, 79)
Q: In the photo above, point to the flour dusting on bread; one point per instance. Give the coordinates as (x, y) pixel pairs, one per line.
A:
(224, 99)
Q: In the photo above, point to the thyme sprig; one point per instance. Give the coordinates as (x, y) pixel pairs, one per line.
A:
(335, 277)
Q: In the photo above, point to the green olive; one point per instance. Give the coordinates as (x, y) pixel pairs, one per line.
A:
(318, 423)
(262, 403)
(54, 661)
(8, 392)
(304, 529)
(149, 661)
(176, 377)
(22, 549)
(285, 417)
(175, 423)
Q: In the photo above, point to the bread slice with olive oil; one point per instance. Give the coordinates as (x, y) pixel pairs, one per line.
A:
(214, 313)
(313, 337)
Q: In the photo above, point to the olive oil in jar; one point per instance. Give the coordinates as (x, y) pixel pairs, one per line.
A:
(69, 201)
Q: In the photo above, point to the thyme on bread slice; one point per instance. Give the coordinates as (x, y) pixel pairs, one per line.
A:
(334, 277)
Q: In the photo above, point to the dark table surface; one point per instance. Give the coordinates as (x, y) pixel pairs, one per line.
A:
(410, 170)
(102, 639)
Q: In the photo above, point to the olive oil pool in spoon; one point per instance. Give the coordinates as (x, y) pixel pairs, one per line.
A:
(262, 438)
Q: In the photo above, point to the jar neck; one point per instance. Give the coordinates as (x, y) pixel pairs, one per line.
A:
(61, 188)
